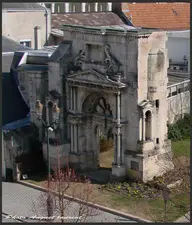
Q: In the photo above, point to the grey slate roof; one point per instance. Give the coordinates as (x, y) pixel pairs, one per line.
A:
(85, 19)
(63, 49)
(9, 45)
(6, 62)
(22, 6)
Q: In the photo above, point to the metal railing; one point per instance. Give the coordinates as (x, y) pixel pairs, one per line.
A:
(178, 88)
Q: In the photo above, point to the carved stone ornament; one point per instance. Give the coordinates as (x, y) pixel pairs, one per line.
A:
(79, 59)
(113, 65)
(74, 120)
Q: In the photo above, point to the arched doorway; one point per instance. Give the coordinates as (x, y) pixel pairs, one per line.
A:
(98, 112)
(148, 126)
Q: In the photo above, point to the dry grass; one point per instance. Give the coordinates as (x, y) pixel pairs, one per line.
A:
(152, 210)
(106, 144)
(106, 158)
(108, 199)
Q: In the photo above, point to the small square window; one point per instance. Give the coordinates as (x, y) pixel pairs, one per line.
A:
(26, 43)
(134, 165)
(157, 103)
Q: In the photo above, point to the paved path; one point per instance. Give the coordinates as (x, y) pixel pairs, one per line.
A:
(18, 200)
(184, 219)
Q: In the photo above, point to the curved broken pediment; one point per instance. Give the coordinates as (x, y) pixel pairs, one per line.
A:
(79, 59)
(112, 64)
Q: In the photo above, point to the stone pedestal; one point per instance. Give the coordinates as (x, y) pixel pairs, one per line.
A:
(74, 160)
(118, 172)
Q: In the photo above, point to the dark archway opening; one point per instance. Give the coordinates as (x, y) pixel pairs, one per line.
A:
(148, 124)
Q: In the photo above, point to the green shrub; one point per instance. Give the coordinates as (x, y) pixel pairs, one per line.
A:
(133, 175)
(180, 130)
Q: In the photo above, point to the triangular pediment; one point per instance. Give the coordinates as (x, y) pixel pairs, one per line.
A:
(89, 76)
(146, 104)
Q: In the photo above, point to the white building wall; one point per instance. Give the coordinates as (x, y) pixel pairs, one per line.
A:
(20, 25)
(178, 45)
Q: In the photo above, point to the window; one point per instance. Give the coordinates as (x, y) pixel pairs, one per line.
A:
(26, 42)
(148, 124)
(157, 103)
(157, 141)
(134, 165)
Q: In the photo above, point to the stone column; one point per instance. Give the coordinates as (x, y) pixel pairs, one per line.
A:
(74, 98)
(71, 97)
(118, 127)
(83, 6)
(66, 7)
(140, 129)
(96, 6)
(109, 6)
(72, 138)
(75, 139)
(118, 169)
(52, 7)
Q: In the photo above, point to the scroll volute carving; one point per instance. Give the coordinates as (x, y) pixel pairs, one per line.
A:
(112, 64)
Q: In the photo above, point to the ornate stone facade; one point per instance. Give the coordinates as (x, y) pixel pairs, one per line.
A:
(112, 81)
(118, 84)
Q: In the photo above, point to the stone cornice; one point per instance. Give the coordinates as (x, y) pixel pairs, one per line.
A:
(83, 83)
(99, 31)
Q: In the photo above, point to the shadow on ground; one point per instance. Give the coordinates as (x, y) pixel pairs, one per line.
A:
(100, 176)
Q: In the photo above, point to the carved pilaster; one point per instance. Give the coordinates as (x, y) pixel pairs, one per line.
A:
(117, 131)
(74, 124)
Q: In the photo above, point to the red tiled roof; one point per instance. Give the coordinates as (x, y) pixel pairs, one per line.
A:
(166, 16)
(86, 19)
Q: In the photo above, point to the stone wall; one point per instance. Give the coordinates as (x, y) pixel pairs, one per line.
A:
(55, 152)
(178, 105)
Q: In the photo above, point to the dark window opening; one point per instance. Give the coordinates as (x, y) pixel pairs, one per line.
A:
(50, 112)
(157, 141)
(26, 43)
(134, 165)
(174, 93)
(157, 103)
(148, 123)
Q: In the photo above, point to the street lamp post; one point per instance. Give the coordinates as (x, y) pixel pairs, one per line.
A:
(48, 126)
